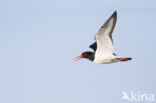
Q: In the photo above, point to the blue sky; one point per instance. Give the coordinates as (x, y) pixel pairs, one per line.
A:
(39, 39)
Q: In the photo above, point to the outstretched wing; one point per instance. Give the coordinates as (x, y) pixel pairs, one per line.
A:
(104, 37)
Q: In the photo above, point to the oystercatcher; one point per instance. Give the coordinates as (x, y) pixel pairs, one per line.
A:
(103, 47)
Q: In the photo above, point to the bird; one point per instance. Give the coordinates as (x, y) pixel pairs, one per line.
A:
(103, 45)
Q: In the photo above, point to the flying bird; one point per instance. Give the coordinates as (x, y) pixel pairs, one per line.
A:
(103, 47)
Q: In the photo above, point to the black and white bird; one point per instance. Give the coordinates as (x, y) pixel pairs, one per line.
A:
(103, 47)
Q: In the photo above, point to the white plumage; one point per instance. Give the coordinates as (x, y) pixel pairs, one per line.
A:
(103, 47)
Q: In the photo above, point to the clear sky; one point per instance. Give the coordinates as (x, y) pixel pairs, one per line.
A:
(39, 39)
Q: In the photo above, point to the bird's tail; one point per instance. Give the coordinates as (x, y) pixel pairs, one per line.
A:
(124, 59)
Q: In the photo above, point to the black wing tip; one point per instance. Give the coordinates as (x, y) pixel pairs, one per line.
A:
(93, 46)
(114, 14)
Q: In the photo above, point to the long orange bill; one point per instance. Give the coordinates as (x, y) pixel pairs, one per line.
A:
(77, 58)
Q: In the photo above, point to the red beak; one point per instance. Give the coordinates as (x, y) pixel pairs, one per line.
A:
(77, 58)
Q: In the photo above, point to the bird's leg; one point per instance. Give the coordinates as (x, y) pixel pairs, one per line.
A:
(124, 59)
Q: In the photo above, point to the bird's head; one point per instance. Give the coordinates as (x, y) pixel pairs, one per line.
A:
(87, 55)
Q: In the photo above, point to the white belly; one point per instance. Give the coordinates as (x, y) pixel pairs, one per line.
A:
(105, 60)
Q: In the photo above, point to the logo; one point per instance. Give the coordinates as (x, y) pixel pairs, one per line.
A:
(137, 96)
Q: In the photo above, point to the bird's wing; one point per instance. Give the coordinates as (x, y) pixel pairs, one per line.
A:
(93, 46)
(104, 37)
